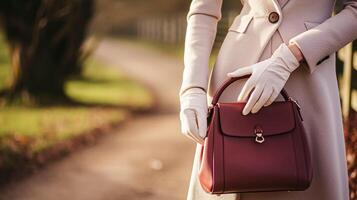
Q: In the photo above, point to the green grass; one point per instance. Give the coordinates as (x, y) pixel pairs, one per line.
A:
(43, 127)
(171, 49)
(105, 97)
(104, 85)
(5, 72)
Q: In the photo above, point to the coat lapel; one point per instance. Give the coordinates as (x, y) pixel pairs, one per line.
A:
(264, 7)
(282, 3)
(261, 5)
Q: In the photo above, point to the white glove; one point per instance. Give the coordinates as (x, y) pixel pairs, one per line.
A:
(268, 79)
(193, 114)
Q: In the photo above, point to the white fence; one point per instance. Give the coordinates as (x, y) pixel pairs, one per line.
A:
(172, 29)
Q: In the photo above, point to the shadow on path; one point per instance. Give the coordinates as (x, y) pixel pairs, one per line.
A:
(147, 157)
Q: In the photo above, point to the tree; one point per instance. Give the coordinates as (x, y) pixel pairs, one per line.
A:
(45, 39)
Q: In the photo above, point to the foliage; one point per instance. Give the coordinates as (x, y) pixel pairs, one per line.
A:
(107, 19)
(5, 72)
(45, 39)
(351, 148)
(29, 135)
(44, 126)
(107, 87)
(100, 90)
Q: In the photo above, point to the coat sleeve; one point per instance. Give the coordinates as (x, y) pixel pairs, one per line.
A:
(319, 42)
(202, 20)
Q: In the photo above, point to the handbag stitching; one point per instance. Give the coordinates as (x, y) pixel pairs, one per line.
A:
(304, 141)
(222, 156)
(295, 158)
(224, 171)
(294, 149)
(211, 126)
(212, 154)
(306, 159)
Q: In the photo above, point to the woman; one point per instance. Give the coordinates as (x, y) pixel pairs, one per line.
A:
(282, 43)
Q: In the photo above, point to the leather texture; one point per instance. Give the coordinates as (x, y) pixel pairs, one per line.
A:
(233, 161)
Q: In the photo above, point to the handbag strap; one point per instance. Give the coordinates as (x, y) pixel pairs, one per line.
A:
(220, 90)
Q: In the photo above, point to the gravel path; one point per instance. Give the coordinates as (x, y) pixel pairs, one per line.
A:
(146, 158)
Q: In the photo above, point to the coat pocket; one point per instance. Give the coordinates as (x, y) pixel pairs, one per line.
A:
(241, 23)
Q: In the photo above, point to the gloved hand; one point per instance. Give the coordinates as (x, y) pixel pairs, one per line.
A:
(268, 79)
(193, 114)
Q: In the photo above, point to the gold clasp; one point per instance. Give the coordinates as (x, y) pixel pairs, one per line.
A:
(259, 135)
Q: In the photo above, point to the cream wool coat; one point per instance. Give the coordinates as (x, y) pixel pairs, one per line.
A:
(252, 38)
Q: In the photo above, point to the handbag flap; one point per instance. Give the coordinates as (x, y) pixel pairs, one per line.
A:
(278, 118)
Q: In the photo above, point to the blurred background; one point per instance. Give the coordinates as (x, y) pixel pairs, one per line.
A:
(89, 99)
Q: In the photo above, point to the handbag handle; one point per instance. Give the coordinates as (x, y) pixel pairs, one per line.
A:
(219, 92)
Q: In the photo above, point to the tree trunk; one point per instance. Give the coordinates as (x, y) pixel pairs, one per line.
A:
(45, 37)
(37, 75)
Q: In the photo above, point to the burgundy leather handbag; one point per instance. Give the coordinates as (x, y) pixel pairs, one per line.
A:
(261, 152)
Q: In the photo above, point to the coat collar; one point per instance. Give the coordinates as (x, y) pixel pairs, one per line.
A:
(282, 3)
(265, 6)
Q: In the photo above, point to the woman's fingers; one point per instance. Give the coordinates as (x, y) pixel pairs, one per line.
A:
(192, 125)
(247, 88)
(188, 125)
(202, 126)
(253, 99)
(266, 94)
(272, 98)
(241, 72)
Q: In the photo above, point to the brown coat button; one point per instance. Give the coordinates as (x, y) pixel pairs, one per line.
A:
(273, 17)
